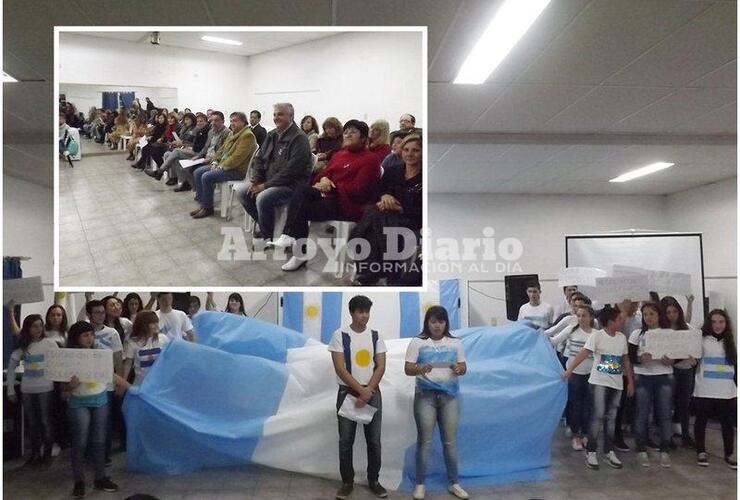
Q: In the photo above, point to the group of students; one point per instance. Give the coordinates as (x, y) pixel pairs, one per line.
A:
(613, 380)
(350, 172)
(86, 415)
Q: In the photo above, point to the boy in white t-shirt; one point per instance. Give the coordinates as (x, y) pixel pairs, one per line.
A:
(172, 322)
(534, 311)
(358, 354)
(611, 362)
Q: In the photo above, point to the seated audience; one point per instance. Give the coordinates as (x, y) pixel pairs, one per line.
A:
(217, 133)
(185, 136)
(311, 129)
(229, 164)
(400, 205)
(279, 167)
(339, 192)
(380, 139)
(192, 142)
(407, 125)
(393, 159)
(153, 137)
(258, 130)
(120, 127)
(138, 130)
(328, 143)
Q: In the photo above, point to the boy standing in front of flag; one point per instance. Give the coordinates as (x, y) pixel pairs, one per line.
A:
(358, 354)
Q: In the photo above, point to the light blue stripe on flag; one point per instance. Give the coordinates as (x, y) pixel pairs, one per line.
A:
(721, 375)
(715, 361)
(293, 310)
(331, 314)
(410, 322)
(449, 298)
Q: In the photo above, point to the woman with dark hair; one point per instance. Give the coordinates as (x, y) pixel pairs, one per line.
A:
(154, 139)
(399, 206)
(235, 305)
(683, 371)
(436, 359)
(715, 390)
(311, 129)
(88, 413)
(185, 134)
(132, 305)
(144, 346)
(55, 326)
(329, 142)
(37, 390)
(653, 387)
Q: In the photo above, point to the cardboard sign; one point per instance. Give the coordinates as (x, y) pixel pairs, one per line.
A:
(24, 290)
(658, 281)
(89, 365)
(615, 289)
(580, 276)
(674, 344)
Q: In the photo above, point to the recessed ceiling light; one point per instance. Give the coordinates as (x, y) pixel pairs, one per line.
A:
(509, 24)
(7, 78)
(647, 170)
(216, 39)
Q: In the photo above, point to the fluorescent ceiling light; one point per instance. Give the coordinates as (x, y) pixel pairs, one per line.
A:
(220, 40)
(7, 78)
(647, 170)
(509, 24)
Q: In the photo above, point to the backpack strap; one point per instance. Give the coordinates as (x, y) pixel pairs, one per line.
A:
(375, 343)
(346, 340)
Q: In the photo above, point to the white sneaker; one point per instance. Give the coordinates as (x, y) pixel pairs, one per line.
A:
(576, 444)
(642, 457)
(591, 461)
(284, 241)
(612, 460)
(55, 450)
(419, 492)
(665, 460)
(457, 490)
(293, 264)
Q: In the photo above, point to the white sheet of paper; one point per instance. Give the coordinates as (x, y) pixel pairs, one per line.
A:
(363, 415)
(675, 344)
(143, 142)
(89, 365)
(177, 137)
(191, 163)
(580, 276)
(615, 289)
(24, 290)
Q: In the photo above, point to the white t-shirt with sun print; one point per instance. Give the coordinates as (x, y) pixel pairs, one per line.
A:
(361, 352)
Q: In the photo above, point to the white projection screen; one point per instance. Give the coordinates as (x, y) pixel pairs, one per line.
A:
(675, 252)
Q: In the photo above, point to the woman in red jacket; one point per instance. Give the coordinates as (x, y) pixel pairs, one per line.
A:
(339, 192)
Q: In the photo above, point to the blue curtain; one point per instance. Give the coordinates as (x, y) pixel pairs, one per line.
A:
(127, 98)
(110, 100)
(11, 270)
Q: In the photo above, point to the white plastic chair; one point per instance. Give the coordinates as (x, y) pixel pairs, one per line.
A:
(342, 229)
(228, 200)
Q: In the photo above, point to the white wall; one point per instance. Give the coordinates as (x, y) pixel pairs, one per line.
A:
(349, 75)
(85, 96)
(28, 223)
(712, 210)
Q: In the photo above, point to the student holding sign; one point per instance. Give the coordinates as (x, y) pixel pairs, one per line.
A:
(715, 392)
(654, 387)
(436, 359)
(611, 362)
(89, 410)
(37, 389)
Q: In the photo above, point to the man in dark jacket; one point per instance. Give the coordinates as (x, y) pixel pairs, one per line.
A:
(258, 130)
(282, 163)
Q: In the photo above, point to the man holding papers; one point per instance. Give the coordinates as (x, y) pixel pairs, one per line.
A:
(183, 168)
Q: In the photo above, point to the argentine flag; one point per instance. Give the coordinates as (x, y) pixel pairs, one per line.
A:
(255, 392)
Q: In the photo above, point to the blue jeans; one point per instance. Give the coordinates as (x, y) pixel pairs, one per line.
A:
(430, 408)
(262, 207)
(654, 390)
(347, 430)
(579, 404)
(88, 425)
(206, 179)
(37, 408)
(605, 403)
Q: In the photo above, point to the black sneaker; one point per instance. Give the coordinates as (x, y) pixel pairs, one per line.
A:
(379, 491)
(171, 181)
(105, 484)
(732, 464)
(345, 491)
(702, 460)
(621, 446)
(79, 490)
(652, 445)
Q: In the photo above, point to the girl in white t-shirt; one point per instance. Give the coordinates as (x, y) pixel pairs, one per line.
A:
(611, 362)
(55, 327)
(715, 390)
(436, 359)
(37, 390)
(144, 346)
(653, 387)
(579, 394)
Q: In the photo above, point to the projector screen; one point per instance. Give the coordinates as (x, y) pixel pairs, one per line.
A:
(675, 252)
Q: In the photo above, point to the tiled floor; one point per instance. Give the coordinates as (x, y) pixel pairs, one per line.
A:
(571, 481)
(118, 226)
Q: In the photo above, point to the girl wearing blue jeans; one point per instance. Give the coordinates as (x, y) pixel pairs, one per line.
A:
(436, 359)
(89, 411)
